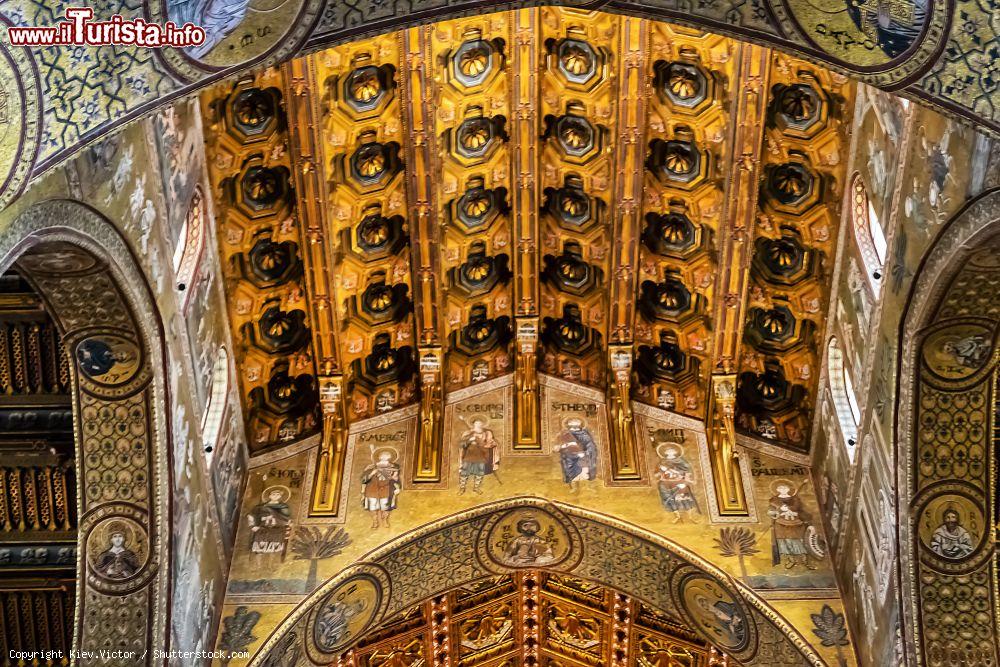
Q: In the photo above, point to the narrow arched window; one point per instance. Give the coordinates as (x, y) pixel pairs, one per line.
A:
(215, 411)
(868, 233)
(845, 399)
(877, 234)
(190, 244)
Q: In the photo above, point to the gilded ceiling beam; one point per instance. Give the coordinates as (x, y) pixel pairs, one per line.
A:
(305, 144)
(634, 76)
(417, 94)
(526, 204)
(735, 253)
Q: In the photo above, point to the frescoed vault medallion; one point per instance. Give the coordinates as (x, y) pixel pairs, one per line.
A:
(238, 32)
(892, 40)
(20, 119)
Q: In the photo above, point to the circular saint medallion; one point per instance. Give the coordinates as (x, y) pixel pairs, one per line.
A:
(870, 35)
(237, 32)
(951, 527)
(958, 352)
(108, 360)
(715, 611)
(116, 548)
(529, 537)
(346, 613)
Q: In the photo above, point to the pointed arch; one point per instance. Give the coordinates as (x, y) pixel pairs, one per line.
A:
(946, 437)
(461, 549)
(107, 318)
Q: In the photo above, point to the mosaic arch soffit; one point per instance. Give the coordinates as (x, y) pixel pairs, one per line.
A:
(463, 548)
(947, 392)
(126, 610)
(61, 99)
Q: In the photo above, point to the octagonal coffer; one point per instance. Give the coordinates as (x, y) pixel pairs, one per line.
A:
(683, 83)
(569, 333)
(367, 87)
(799, 109)
(285, 394)
(479, 273)
(270, 263)
(476, 60)
(373, 163)
(783, 260)
(671, 234)
(666, 361)
(791, 186)
(482, 334)
(384, 364)
(278, 331)
(260, 190)
(478, 207)
(678, 161)
(573, 208)
(669, 300)
(375, 236)
(380, 303)
(575, 137)
(477, 136)
(570, 273)
(252, 113)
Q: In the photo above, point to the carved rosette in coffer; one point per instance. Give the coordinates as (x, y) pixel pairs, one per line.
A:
(682, 207)
(262, 259)
(471, 125)
(577, 107)
(801, 185)
(370, 226)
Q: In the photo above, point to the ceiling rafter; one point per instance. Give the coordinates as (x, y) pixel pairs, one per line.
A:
(803, 175)
(633, 58)
(418, 94)
(362, 155)
(736, 227)
(305, 143)
(526, 205)
(261, 244)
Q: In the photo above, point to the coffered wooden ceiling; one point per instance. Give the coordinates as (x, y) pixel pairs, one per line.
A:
(532, 618)
(622, 203)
